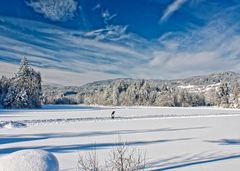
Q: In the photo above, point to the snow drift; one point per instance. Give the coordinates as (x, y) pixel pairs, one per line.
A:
(29, 160)
(12, 124)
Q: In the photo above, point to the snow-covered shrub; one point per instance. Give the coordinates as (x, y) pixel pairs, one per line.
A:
(29, 160)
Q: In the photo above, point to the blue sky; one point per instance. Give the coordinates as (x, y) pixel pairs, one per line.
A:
(151, 39)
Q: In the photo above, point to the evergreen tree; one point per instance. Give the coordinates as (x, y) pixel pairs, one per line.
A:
(235, 95)
(4, 85)
(25, 89)
(223, 95)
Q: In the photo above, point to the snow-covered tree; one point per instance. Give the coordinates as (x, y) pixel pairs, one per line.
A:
(25, 88)
(234, 98)
(223, 95)
(4, 85)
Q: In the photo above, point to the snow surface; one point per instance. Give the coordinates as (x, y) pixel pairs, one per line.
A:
(29, 160)
(189, 139)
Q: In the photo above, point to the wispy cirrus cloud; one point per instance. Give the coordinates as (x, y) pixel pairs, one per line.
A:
(55, 10)
(109, 31)
(112, 32)
(173, 7)
(107, 16)
(212, 48)
(49, 46)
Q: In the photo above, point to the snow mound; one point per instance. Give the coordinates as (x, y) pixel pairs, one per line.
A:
(12, 124)
(29, 160)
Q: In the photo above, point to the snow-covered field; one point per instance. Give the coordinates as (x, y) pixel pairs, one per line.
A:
(181, 139)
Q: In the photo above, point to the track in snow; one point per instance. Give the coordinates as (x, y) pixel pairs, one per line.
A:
(24, 123)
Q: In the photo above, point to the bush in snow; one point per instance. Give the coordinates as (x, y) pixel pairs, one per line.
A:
(88, 163)
(29, 160)
(125, 159)
(121, 159)
(24, 89)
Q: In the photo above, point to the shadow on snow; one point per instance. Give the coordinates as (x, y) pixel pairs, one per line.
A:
(226, 141)
(182, 161)
(92, 146)
(7, 139)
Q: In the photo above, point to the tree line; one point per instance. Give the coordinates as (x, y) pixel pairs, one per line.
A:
(24, 90)
(124, 92)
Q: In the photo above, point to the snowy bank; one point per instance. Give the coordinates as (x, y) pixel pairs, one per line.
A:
(29, 160)
(12, 124)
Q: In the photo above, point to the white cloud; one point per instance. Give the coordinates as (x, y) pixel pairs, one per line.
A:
(55, 10)
(213, 48)
(171, 9)
(111, 32)
(56, 76)
(107, 16)
(59, 48)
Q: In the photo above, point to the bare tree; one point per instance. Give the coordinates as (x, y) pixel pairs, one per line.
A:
(88, 162)
(122, 158)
